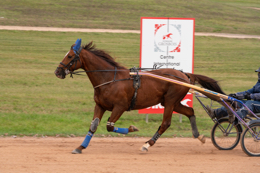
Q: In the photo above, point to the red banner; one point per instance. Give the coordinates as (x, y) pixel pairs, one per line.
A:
(159, 109)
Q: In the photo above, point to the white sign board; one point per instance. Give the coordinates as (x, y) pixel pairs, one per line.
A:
(167, 43)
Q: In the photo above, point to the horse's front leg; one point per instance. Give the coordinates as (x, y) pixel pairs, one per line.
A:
(167, 117)
(98, 114)
(116, 114)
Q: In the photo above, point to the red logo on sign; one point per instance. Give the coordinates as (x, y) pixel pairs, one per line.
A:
(168, 36)
(157, 26)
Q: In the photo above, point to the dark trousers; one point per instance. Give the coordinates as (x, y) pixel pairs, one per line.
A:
(242, 111)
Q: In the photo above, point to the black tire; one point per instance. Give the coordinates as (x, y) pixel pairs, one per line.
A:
(224, 135)
(249, 144)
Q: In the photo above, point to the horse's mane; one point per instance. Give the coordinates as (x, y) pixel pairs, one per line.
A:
(102, 54)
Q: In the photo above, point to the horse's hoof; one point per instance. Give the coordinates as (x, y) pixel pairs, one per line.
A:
(133, 129)
(76, 151)
(145, 147)
(202, 138)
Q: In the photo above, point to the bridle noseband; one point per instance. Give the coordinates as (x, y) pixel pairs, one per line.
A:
(70, 64)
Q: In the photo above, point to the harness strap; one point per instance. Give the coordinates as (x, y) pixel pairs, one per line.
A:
(108, 81)
(187, 76)
(114, 80)
(111, 82)
(115, 75)
(137, 84)
(132, 104)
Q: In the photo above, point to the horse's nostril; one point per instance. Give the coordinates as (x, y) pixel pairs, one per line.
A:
(56, 72)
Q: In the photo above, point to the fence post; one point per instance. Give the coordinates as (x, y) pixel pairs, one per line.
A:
(180, 118)
(146, 118)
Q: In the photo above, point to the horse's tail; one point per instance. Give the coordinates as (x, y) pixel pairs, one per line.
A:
(206, 82)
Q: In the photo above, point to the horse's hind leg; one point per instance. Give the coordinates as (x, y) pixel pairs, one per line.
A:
(98, 114)
(167, 117)
(189, 112)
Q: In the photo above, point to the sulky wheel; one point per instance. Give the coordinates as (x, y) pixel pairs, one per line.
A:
(250, 140)
(224, 135)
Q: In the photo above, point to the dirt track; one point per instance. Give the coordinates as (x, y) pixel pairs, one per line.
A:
(110, 155)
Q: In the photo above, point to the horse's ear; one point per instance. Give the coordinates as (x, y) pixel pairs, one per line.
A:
(77, 45)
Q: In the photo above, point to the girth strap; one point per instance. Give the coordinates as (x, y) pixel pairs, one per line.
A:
(136, 84)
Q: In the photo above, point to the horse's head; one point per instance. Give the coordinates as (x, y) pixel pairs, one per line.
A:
(69, 62)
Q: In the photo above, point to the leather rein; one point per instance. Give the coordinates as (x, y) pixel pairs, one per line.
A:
(134, 69)
(76, 59)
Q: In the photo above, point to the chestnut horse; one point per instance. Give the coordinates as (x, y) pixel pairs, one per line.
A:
(114, 91)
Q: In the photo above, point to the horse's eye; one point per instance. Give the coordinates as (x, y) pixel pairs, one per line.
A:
(69, 57)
